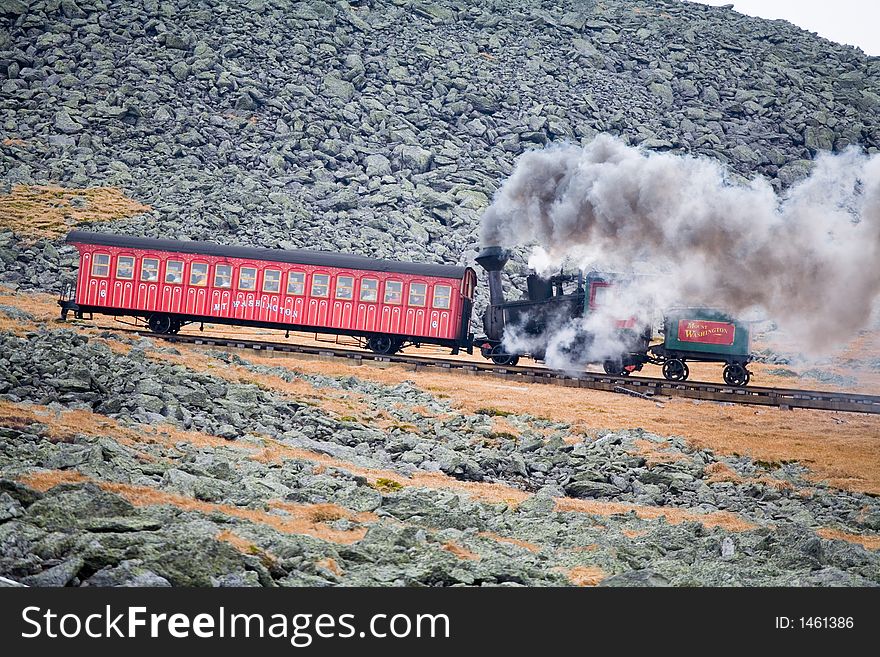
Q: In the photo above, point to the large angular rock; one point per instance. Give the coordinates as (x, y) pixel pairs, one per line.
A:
(415, 158)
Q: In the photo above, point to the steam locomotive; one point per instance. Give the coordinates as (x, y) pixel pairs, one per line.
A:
(549, 304)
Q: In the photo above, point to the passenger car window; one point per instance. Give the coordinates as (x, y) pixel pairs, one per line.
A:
(345, 287)
(296, 283)
(393, 292)
(442, 296)
(125, 267)
(198, 274)
(417, 294)
(150, 269)
(272, 281)
(174, 271)
(223, 276)
(101, 265)
(247, 278)
(320, 285)
(369, 289)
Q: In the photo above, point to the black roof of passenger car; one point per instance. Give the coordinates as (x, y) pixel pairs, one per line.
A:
(298, 256)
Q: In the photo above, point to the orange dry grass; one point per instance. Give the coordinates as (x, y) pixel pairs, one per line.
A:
(42, 307)
(42, 211)
(585, 575)
(330, 564)
(64, 425)
(14, 141)
(326, 513)
(634, 533)
(297, 519)
(721, 472)
(43, 480)
(868, 542)
(340, 402)
(590, 547)
(531, 547)
(655, 453)
(674, 516)
(460, 551)
(241, 544)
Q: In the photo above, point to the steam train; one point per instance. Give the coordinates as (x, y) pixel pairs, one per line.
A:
(385, 305)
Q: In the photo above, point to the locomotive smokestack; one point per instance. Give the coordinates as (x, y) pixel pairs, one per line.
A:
(493, 259)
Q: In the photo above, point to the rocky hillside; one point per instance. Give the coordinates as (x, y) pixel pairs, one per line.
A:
(132, 463)
(384, 126)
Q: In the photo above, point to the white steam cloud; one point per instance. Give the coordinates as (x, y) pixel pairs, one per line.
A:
(809, 260)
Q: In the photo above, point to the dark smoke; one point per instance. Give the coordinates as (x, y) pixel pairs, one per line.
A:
(809, 260)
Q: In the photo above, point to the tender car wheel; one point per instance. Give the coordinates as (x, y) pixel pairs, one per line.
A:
(383, 344)
(675, 370)
(736, 375)
(500, 357)
(160, 323)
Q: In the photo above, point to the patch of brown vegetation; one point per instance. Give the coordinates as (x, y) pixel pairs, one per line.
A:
(386, 479)
(295, 519)
(585, 575)
(867, 542)
(718, 472)
(531, 547)
(43, 480)
(460, 551)
(326, 513)
(673, 516)
(501, 426)
(342, 403)
(46, 211)
(43, 308)
(655, 453)
(590, 547)
(14, 141)
(721, 472)
(634, 533)
(330, 564)
(63, 426)
(241, 544)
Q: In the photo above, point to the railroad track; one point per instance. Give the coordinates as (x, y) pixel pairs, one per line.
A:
(638, 386)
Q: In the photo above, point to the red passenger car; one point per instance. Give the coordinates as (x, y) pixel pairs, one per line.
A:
(172, 283)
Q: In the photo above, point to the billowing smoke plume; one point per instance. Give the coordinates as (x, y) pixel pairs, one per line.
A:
(810, 260)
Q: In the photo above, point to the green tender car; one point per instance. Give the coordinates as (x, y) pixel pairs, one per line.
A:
(703, 334)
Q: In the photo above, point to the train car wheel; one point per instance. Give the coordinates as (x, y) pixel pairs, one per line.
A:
(176, 325)
(160, 323)
(615, 368)
(736, 375)
(675, 370)
(499, 357)
(383, 344)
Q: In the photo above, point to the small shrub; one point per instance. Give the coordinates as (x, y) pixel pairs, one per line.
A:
(493, 412)
(325, 513)
(387, 485)
(501, 435)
